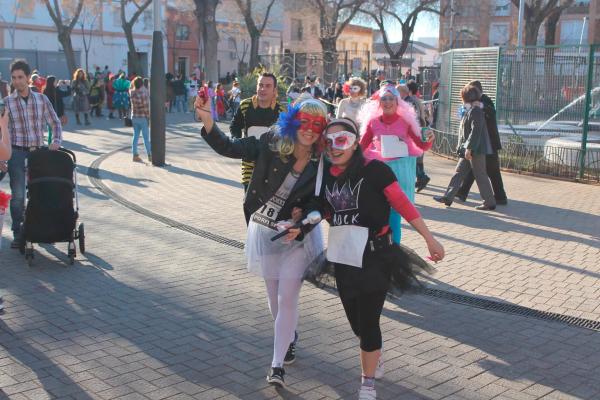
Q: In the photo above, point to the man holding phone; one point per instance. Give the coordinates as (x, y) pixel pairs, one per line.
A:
(255, 115)
(28, 114)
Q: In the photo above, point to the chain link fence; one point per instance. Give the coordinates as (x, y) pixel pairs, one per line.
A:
(547, 101)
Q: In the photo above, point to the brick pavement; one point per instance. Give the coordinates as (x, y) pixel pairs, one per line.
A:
(152, 312)
(541, 251)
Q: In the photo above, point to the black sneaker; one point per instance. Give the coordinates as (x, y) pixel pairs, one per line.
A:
(275, 377)
(290, 356)
(442, 199)
(421, 184)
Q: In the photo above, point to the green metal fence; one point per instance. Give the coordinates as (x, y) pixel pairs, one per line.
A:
(547, 101)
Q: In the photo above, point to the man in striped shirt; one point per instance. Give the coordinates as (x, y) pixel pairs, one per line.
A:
(255, 115)
(28, 114)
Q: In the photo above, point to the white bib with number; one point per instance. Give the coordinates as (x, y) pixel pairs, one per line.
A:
(346, 244)
(393, 147)
(257, 131)
(268, 214)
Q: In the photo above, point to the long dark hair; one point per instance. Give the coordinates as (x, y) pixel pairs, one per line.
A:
(50, 89)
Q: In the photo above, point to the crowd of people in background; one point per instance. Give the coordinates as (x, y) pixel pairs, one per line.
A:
(103, 93)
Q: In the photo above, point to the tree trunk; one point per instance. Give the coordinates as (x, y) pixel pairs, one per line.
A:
(205, 14)
(551, 24)
(133, 62)
(330, 59)
(64, 37)
(254, 47)
(532, 27)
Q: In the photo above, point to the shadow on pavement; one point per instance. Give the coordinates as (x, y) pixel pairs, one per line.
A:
(202, 342)
(495, 221)
(50, 375)
(508, 346)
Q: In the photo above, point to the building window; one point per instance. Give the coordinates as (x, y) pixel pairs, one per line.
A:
(182, 32)
(365, 47)
(501, 8)
(570, 32)
(266, 46)
(354, 46)
(499, 34)
(314, 29)
(297, 30)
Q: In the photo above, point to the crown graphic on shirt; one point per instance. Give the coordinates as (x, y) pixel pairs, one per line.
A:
(344, 199)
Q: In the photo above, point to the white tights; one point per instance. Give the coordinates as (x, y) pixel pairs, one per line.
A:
(283, 303)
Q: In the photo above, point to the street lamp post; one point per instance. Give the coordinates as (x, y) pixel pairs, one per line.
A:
(520, 23)
(158, 91)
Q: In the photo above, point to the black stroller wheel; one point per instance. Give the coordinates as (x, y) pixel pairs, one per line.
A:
(81, 235)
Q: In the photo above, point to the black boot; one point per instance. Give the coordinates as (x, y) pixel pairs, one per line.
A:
(77, 119)
(87, 119)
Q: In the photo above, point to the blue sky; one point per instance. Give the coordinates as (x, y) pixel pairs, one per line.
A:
(427, 26)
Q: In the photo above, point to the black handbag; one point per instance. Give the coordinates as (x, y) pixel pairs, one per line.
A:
(128, 121)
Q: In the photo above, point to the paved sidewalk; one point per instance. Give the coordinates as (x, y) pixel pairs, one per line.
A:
(153, 312)
(540, 251)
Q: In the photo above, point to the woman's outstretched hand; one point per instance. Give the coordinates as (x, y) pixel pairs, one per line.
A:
(436, 250)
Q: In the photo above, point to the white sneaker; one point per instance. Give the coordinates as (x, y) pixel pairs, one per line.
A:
(380, 367)
(367, 393)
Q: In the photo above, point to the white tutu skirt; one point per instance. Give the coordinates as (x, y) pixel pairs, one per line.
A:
(280, 259)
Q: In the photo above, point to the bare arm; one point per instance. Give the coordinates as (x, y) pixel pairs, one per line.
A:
(436, 250)
(5, 147)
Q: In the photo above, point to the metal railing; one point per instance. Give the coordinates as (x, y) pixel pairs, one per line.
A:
(547, 102)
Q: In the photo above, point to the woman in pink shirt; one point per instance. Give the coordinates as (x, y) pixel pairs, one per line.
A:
(391, 133)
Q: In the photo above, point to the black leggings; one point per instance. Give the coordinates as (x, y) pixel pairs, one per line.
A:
(363, 313)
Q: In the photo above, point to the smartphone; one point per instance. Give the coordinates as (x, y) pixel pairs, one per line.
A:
(424, 131)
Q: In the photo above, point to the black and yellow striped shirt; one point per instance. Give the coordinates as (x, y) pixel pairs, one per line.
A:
(250, 114)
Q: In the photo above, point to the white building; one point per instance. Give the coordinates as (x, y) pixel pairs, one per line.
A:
(27, 30)
(419, 53)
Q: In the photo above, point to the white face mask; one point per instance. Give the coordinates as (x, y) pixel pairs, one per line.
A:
(340, 140)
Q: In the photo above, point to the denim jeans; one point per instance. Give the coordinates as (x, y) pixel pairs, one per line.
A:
(180, 103)
(16, 174)
(140, 125)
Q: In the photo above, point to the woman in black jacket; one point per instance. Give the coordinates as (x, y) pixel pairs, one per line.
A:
(283, 179)
(56, 96)
(473, 146)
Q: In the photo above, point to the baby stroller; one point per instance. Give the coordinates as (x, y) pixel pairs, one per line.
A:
(50, 215)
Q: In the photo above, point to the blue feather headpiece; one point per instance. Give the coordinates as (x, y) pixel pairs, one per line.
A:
(287, 124)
